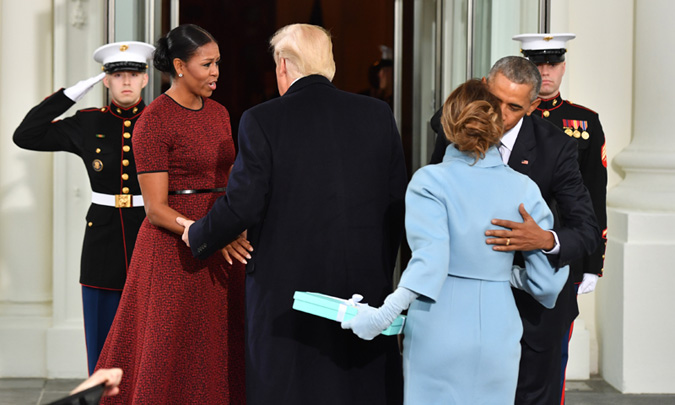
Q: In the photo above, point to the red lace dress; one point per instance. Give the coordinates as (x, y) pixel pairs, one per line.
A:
(179, 330)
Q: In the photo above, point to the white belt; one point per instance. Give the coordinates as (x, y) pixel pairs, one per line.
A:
(117, 200)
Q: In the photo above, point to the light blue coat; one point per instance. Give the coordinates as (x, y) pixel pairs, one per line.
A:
(462, 336)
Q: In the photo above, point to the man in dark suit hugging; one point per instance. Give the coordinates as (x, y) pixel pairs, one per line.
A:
(541, 151)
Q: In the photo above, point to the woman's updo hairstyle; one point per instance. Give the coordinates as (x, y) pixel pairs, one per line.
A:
(181, 42)
(472, 119)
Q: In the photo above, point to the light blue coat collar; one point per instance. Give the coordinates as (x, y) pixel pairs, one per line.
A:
(492, 157)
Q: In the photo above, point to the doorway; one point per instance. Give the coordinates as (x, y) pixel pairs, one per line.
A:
(362, 32)
(434, 46)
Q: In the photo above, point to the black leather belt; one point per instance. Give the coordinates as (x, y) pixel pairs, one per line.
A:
(204, 190)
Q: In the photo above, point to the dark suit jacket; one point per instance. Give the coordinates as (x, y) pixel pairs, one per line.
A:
(319, 182)
(549, 157)
(592, 164)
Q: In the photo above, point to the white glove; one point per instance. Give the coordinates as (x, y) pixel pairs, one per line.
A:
(369, 322)
(77, 91)
(588, 283)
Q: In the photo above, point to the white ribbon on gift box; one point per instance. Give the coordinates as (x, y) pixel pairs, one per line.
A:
(342, 308)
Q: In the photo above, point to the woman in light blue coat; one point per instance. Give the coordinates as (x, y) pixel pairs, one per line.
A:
(463, 328)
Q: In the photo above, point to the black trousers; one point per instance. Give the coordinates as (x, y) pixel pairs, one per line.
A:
(539, 376)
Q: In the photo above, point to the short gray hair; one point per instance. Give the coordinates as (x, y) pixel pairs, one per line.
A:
(520, 71)
(308, 50)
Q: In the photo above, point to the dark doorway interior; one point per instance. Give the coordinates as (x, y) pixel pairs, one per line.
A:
(247, 71)
(243, 30)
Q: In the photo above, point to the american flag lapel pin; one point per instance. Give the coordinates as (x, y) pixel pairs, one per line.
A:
(524, 162)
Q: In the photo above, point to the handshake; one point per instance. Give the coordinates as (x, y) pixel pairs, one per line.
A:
(238, 249)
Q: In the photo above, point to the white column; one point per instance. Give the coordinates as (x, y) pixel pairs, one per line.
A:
(635, 302)
(44, 45)
(25, 190)
(78, 31)
(603, 84)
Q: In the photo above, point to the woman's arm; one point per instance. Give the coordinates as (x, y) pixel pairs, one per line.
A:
(370, 322)
(155, 189)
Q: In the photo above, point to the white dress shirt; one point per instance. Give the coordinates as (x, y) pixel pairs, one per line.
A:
(508, 140)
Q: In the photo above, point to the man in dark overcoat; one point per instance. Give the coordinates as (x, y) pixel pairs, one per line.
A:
(539, 150)
(319, 183)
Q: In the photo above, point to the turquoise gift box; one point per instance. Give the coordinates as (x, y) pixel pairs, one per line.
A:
(337, 309)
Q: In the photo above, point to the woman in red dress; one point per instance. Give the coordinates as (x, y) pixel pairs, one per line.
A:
(179, 330)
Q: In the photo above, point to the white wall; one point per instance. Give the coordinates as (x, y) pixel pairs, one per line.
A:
(25, 190)
(620, 65)
(599, 76)
(636, 340)
(44, 45)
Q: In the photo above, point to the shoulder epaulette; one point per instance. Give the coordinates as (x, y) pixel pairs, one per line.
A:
(92, 109)
(580, 106)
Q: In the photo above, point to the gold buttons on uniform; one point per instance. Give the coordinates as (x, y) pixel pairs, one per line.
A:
(125, 190)
(546, 114)
(103, 109)
(125, 162)
(125, 176)
(127, 135)
(98, 150)
(127, 123)
(97, 165)
(90, 224)
(126, 148)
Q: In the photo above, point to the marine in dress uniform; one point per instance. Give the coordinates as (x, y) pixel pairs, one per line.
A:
(547, 51)
(101, 137)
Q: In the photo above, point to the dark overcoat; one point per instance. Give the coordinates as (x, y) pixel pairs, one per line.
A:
(319, 183)
(101, 137)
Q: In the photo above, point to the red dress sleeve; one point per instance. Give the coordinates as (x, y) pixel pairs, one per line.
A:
(151, 142)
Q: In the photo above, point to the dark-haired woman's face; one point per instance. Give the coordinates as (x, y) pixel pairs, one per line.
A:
(201, 70)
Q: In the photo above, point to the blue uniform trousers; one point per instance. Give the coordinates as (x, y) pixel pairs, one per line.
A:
(99, 307)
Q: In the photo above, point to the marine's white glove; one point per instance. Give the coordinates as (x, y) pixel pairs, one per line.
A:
(588, 283)
(369, 322)
(77, 91)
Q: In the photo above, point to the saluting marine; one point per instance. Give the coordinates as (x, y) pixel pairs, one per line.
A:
(102, 138)
(547, 51)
